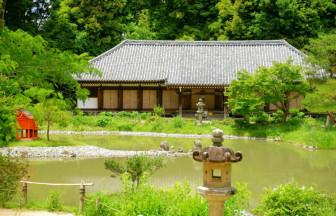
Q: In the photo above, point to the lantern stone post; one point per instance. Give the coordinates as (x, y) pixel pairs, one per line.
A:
(217, 162)
(200, 114)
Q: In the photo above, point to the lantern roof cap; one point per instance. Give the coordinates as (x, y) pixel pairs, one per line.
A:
(217, 152)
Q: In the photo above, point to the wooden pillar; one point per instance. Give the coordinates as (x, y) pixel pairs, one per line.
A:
(216, 208)
(81, 198)
(180, 98)
(28, 134)
(100, 98)
(120, 98)
(159, 96)
(140, 98)
(25, 192)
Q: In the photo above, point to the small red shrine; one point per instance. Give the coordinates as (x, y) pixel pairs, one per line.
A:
(27, 126)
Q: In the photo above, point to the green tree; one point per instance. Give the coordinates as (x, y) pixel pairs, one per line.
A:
(50, 108)
(180, 19)
(277, 85)
(322, 52)
(12, 170)
(93, 26)
(135, 166)
(140, 30)
(295, 21)
(10, 99)
(40, 66)
(322, 98)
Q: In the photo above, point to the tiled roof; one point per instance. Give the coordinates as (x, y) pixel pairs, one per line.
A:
(188, 62)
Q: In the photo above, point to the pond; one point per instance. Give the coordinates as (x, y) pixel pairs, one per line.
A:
(264, 164)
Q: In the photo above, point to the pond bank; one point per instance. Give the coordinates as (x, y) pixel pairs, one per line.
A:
(79, 152)
(153, 134)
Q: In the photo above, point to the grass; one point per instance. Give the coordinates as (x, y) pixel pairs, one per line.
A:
(307, 131)
(114, 142)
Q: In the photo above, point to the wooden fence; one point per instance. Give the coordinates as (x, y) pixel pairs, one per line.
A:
(81, 185)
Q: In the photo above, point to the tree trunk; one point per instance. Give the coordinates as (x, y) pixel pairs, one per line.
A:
(48, 128)
(286, 114)
(2, 13)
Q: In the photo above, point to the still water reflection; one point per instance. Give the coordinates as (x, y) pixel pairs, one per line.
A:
(265, 164)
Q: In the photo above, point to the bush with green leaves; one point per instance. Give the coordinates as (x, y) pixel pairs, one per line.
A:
(54, 202)
(292, 200)
(12, 170)
(178, 122)
(136, 166)
(179, 200)
(158, 111)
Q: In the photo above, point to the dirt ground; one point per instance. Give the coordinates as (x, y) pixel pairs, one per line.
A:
(22, 212)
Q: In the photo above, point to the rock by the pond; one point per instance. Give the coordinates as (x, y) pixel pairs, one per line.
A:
(180, 150)
(197, 144)
(78, 152)
(164, 145)
(311, 148)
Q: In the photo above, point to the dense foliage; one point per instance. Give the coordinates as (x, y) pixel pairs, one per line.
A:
(95, 26)
(136, 167)
(26, 62)
(322, 98)
(179, 200)
(12, 170)
(322, 52)
(295, 21)
(292, 199)
(277, 85)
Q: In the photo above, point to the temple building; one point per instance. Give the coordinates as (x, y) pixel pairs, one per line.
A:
(138, 75)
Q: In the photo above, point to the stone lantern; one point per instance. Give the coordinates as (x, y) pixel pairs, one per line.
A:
(217, 173)
(200, 113)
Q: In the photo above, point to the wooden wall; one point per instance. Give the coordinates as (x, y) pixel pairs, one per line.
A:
(149, 99)
(130, 99)
(110, 100)
(170, 99)
(207, 95)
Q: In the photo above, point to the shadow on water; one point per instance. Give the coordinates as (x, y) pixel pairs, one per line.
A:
(265, 164)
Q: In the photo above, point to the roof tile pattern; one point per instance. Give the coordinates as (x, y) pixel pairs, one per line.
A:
(189, 63)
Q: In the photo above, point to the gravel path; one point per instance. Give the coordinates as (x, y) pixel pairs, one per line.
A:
(153, 134)
(22, 212)
(78, 152)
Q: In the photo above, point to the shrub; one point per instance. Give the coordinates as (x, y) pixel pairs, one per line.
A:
(136, 167)
(179, 200)
(106, 114)
(12, 170)
(292, 200)
(78, 120)
(125, 127)
(158, 111)
(103, 122)
(157, 126)
(178, 122)
(296, 115)
(53, 202)
(277, 116)
(124, 114)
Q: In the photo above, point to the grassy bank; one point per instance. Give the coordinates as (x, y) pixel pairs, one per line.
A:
(307, 131)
